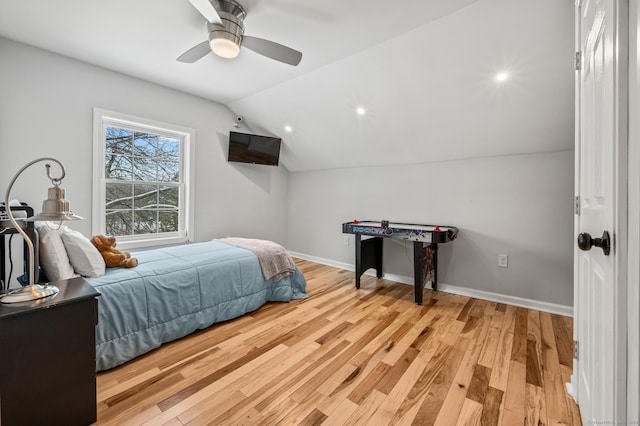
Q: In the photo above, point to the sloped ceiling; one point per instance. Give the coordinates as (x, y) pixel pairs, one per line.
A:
(424, 71)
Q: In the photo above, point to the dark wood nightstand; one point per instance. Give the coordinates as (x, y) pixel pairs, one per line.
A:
(48, 358)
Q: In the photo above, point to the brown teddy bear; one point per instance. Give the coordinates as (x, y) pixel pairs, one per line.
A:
(113, 257)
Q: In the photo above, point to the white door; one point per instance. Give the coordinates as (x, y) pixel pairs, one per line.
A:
(601, 131)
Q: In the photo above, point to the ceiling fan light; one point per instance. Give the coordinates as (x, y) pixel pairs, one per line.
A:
(224, 47)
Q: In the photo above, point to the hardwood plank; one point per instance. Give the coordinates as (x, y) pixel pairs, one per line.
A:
(219, 399)
(452, 334)
(362, 391)
(298, 382)
(251, 417)
(138, 399)
(534, 349)
(264, 374)
(289, 381)
(301, 411)
(502, 359)
(576, 419)
(342, 413)
(456, 395)
(416, 336)
(556, 400)
(354, 357)
(514, 396)
(519, 347)
(342, 358)
(491, 408)
(470, 324)
(464, 313)
(534, 367)
(564, 340)
(216, 375)
(139, 418)
(501, 307)
(173, 422)
(557, 409)
(470, 414)
(388, 381)
(335, 333)
(278, 411)
(368, 406)
(315, 417)
(479, 384)
(491, 343)
(286, 378)
(342, 377)
(418, 392)
(112, 387)
(393, 335)
(437, 391)
(402, 389)
(223, 394)
(550, 360)
(535, 406)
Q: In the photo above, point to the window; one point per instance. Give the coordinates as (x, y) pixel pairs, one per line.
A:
(142, 180)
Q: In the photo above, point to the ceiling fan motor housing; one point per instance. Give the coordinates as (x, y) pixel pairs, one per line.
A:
(232, 15)
(226, 35)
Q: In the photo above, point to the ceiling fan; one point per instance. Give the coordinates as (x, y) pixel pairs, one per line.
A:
(226, 35)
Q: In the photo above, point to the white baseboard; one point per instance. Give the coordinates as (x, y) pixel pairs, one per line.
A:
(323, 261)
(462, 291)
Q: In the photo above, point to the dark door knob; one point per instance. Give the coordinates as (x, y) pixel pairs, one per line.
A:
(585, 242)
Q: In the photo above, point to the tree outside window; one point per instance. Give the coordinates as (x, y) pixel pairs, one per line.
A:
(142, 182)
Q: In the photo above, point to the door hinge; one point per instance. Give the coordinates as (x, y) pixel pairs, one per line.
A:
(577, 205)
(575, 349)
(578, 61)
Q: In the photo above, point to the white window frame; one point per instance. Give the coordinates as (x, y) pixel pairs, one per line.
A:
(102, 118)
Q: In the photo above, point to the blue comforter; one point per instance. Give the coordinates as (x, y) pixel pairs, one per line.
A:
(177, 290)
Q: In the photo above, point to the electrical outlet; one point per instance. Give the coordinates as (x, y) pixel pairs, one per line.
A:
(503, 260)
(345, 240)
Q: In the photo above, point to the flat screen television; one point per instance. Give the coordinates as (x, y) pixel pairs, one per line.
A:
(254, 149)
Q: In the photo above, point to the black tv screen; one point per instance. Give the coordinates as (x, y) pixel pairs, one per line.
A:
(254, 149)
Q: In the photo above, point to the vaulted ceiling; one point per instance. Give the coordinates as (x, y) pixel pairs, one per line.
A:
(423, 72)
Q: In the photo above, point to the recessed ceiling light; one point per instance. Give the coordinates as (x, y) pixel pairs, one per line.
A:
(502, 76)
(361, 111)
(288, 129)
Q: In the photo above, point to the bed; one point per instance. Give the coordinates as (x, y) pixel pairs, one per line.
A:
(177, 290)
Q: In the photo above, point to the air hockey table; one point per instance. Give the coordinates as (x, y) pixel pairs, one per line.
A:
(425, 248)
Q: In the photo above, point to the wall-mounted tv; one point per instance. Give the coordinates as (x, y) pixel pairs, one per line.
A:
(254, 149)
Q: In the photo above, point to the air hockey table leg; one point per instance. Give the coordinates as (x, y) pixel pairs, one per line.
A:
(368, 255)
(420, 270)
(418, 260)
(359, 270)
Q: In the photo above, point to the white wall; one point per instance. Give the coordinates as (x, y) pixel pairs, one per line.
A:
(46, 109)
(518, 205)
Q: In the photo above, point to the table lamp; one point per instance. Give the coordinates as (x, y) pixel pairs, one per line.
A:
(54, 209)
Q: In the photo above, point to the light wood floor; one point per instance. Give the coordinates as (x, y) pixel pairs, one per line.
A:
(347, 356)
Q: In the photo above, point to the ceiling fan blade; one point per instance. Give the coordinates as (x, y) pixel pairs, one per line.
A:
(207, 10)
(272, 50)
(198, 51)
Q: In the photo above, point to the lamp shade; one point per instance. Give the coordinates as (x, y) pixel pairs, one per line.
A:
(55, 208)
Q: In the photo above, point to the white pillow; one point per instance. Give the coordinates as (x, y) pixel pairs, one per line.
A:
(84, 256)
(53, 256)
